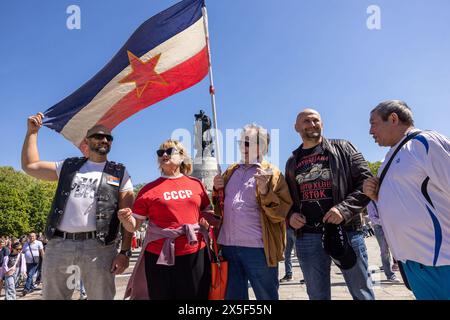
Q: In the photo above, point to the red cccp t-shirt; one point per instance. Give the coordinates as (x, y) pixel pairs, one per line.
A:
(170, 203)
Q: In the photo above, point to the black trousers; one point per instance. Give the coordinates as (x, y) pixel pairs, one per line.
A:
(188, 279)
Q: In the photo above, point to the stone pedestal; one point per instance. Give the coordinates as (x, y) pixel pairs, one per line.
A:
(205, 169)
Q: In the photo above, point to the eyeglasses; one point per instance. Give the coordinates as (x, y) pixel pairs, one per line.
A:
(99, 136)
(168, 151)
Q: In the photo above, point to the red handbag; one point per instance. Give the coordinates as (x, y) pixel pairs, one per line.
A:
(219, 271)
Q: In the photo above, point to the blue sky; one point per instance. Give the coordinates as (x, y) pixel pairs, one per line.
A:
(271, 58)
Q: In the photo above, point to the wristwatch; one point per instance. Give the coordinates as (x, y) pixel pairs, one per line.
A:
(126, 252)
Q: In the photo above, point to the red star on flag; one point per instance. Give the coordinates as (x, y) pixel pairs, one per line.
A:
(143, 73)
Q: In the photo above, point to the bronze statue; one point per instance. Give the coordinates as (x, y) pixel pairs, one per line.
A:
(203, 138)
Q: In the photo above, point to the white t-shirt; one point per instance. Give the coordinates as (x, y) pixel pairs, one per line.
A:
(414, 200)
(80, 212)
(35, 247)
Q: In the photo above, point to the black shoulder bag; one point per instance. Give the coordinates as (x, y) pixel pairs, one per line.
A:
(31, 251)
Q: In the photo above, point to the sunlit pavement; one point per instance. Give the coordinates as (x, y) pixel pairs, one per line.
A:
(293, 290)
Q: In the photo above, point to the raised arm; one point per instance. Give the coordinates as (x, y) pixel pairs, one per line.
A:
(31, 163)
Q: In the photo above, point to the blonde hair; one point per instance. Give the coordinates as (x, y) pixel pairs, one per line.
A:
(262, 135)
(186, 164)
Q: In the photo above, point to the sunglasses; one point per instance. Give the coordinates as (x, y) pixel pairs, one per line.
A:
(99, 136)
(168, 151)
(244, 143)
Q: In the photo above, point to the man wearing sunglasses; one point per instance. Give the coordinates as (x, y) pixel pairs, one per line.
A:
(325, 179)
(82, 226)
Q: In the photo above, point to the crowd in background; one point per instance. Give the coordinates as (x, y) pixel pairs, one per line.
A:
(20, 263)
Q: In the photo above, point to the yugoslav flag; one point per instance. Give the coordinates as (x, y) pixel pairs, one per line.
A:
(166, 54)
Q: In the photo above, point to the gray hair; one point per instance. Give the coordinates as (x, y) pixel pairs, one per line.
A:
(400, 108)
(262, 134)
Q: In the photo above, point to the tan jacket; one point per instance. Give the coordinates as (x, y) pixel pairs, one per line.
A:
(274, 207)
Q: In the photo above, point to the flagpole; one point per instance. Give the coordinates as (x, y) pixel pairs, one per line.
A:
(211, 88)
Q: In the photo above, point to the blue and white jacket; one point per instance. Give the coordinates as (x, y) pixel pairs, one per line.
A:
(414, 200)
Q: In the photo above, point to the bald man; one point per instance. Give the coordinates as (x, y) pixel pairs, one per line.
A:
(325, 179)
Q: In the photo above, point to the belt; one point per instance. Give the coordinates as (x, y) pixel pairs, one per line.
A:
(300, 232)
(353, 228)
(75, 236)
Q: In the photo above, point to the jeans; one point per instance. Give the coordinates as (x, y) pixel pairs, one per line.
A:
(249, 264)
(290, 243)
(384, 251)
(32, 268)
(68, 261)
(316, 266)
(10, 286)
(39, 273)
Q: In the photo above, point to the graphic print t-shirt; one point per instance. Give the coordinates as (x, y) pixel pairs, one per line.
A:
(170, 203)
(313, 177)
(12, 260)
(80, 212)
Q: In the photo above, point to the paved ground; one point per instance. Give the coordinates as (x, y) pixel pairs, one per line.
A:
(384, 290)
(293, 290)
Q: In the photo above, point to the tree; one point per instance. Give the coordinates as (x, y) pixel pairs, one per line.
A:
(25, 202)
(13, 211)
(138, 188)
(40, 196)
(374, 166)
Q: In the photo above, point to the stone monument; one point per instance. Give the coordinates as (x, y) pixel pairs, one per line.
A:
(205, 164)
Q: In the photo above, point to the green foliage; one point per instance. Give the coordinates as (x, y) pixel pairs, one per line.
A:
(374, 166)
(138, 188)
(24, 202)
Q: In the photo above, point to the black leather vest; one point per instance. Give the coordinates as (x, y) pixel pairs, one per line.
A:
(107, 197)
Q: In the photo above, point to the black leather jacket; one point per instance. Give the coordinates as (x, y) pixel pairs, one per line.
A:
(349, 169)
